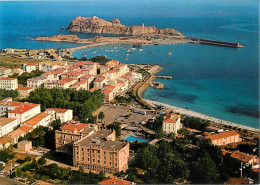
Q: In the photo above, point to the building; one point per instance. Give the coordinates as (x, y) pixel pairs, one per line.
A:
(8, 83)
(224, 138)
(7, 104)
(104, 69)
(7, 125)
(82, 84)
(172, 123)
(100, 82)
(250, 159)
(24, 112)
(4, 72)
(15, 135)
(66, 83)
(108, 94)
(69, 133)
(42, 119)
(40, 182)
(30, 67)
(24, 91)
(112, 63)
(24, 146)
(114, 180)
(99, 152)
(36, 82)
(63, 114)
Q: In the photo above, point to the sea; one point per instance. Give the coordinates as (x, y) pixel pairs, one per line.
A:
(218, 81)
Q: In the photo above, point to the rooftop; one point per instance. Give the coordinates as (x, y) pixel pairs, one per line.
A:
(222, 135)
(24, 108)
(114, 180)
(66, 80)
(241, 156)
(77, 126)
(6, 78)
(5, 121)
(36, 119)
(24, 88)
(98, 140)
(58, 110)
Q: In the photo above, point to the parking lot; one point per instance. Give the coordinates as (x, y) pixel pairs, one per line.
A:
(120, 114)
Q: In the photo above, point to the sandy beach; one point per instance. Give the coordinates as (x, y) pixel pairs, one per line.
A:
(200, 115)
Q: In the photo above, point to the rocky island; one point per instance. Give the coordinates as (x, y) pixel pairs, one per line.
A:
(95, 24)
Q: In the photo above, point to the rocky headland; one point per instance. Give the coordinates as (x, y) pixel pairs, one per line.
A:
(95, 24)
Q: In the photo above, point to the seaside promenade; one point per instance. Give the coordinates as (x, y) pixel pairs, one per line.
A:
(200, 115)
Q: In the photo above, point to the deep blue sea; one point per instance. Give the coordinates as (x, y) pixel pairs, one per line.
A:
(219, 81)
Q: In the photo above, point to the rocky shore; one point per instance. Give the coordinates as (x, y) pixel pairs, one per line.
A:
(98, 25)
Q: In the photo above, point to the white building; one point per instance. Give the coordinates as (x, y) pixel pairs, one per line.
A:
(7, 104)
(42, 119)
(24, 112)
(36, 82)
(4, 72)
(171, 123)
(7, 125)
(8, 83)
(30, 67)
(63, 114)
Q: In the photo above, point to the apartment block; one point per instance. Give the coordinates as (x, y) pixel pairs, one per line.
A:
(63, 114)
(41, 119)
(7, 125)
(225, 138)
(8, 83)
(4, 72)
(99, 152)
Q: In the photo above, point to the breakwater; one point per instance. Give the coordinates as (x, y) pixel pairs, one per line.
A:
(215, 42)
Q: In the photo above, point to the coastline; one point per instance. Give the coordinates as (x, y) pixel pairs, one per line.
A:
(201, 115)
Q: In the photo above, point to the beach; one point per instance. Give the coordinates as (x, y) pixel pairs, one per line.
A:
(188, 112)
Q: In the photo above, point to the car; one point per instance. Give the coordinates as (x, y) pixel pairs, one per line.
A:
(16, 165)
(2, 172)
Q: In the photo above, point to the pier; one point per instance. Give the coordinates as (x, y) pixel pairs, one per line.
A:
(164, 77)
(217, 43)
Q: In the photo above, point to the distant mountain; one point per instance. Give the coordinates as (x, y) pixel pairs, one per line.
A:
(95, 24)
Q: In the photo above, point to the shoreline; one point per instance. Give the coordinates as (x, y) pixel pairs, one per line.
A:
(201, 115)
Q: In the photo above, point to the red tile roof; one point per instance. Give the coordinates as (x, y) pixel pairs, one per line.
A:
(241, 156)
(168, 120)
(110, 86)
(65, 80)
(36, 119)
(114, 181)
(24, 108)
(31, 64)
(6, 78)
(77, 126)
(58, 110)
(106, 91)
(4, 121)
(25, 128)
(24, 88)
(222, 135)
(16, 133)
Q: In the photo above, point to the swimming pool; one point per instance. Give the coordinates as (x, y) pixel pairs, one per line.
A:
(132, 139)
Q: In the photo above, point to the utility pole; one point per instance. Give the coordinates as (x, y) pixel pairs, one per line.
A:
(241, 170)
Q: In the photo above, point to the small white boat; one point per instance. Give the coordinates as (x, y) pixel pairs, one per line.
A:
(169, 53)
(127, 54)
(140, 49)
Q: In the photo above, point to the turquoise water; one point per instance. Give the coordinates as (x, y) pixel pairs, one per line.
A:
(132, 139)
(218, 81)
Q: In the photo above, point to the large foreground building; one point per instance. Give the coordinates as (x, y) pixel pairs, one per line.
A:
(99, 152)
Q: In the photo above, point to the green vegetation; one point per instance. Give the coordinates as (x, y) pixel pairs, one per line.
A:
(6, 154)
(8, 93)
(82, 102)
(100, 59)
(101, 116)
(196, 123)
(43, 136)
(22, 79)
(246, 148)
(156, 126)
(122, 99)
(115, 126)
(36, 170)
(173, 162)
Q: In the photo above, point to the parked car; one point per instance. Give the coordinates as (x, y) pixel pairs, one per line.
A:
(2, 172)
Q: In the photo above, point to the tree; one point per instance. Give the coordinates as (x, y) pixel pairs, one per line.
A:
(246, 148)
(42, 161)
(100, 59)
(101, 116)
(1, 167)
(117, 127)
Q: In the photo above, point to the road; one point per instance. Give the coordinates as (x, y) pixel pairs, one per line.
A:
(4, 180)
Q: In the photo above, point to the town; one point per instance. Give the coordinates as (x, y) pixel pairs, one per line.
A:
(84, 119)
